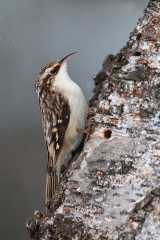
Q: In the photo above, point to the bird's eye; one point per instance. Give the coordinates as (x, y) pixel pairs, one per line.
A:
(53, 71)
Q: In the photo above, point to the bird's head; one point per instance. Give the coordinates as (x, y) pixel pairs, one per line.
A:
(49, 73)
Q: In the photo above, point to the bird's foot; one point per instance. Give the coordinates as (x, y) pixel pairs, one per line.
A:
(87, 130)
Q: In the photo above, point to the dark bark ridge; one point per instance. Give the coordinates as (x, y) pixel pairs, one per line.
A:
(112, 190)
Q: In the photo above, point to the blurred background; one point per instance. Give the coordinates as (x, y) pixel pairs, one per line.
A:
(32, 33)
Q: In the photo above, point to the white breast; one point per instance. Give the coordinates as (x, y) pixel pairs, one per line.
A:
(76, 101)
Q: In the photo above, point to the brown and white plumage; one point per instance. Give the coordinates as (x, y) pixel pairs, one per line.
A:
(63, 109)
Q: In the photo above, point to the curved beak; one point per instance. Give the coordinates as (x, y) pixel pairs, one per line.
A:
(68, 57)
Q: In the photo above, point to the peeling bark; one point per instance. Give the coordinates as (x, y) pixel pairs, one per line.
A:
(112, 190)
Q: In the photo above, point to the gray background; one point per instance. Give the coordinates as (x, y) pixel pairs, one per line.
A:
(32, 33)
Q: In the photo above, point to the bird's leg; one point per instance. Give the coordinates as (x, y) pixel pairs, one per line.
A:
(87, 130)
(90, 113)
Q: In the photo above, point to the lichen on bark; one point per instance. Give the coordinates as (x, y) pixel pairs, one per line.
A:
(112, 190)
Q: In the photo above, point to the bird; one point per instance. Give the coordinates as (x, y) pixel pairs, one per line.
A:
(63, 110)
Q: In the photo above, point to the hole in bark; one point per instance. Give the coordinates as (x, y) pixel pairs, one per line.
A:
(137, 54)
(139, 36)
(107, 133)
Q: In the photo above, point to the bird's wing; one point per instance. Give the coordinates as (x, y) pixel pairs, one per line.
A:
(55, 112)
(55, 117)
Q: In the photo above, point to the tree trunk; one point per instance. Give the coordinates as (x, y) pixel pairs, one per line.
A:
(112, 190)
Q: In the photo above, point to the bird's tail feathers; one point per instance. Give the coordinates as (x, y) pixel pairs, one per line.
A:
(51, 185)
(52, 178)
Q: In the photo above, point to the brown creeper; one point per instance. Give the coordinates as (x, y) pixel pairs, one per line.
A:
(63, 109)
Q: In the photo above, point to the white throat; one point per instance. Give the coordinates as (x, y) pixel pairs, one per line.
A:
(62, 74)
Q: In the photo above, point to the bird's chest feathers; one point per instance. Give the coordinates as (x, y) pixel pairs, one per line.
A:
(74, 95)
